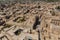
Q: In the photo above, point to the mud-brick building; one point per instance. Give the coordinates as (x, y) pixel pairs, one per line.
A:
(50, 28)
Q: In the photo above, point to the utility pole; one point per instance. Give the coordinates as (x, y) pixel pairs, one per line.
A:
(39, 35)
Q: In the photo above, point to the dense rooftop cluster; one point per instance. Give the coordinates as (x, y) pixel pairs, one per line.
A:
(30, 21)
